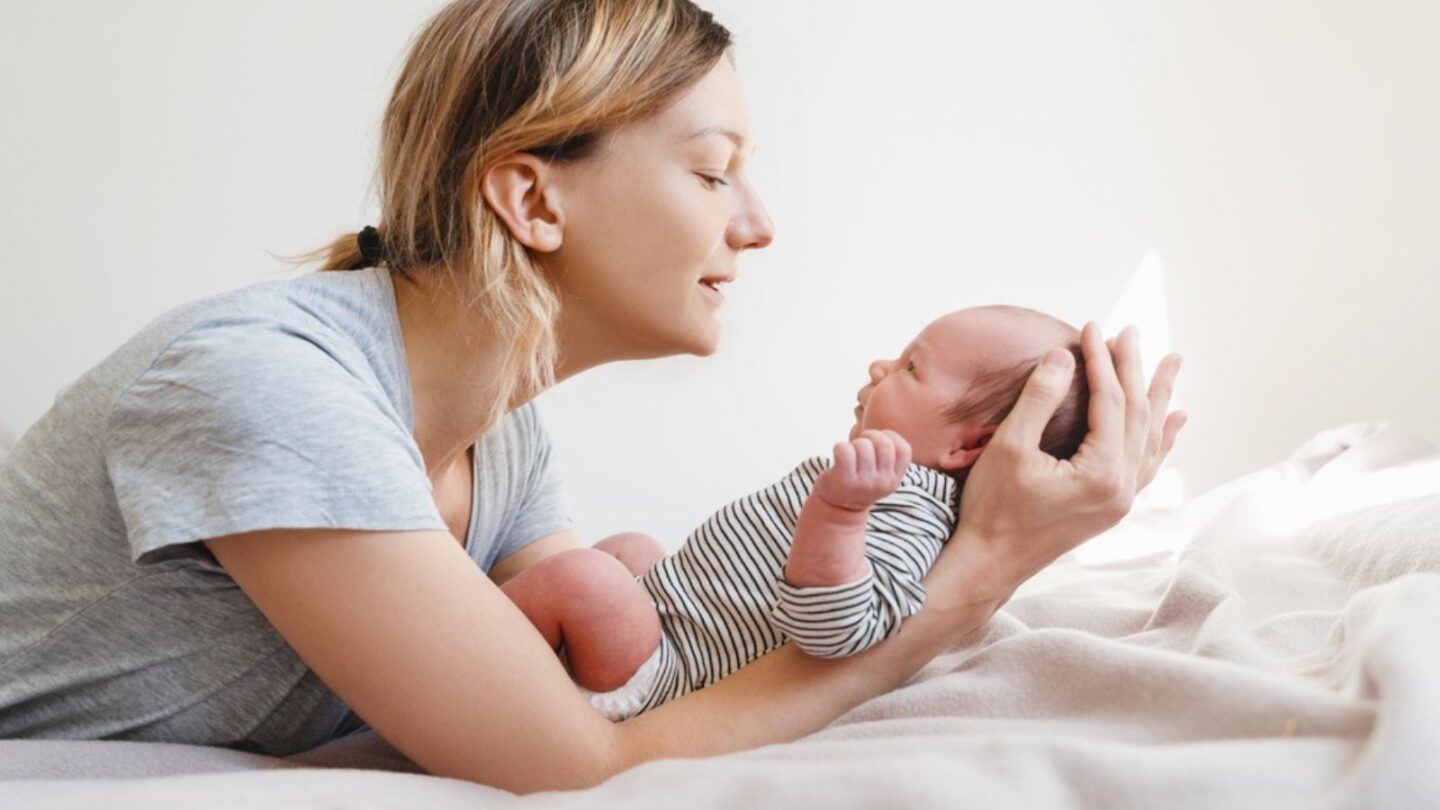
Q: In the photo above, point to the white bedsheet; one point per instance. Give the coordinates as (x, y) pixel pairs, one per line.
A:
(1281, 648)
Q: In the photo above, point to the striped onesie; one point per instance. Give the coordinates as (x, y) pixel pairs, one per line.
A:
(723, 601)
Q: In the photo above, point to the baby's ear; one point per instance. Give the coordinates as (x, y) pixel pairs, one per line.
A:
(966, 445)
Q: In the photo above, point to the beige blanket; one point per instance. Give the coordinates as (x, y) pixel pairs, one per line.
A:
(1279, 648)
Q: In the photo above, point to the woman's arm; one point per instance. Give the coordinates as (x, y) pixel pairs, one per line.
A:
(529, 554)
(426, 649)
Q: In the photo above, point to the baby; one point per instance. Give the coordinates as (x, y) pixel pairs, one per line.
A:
(830, 556)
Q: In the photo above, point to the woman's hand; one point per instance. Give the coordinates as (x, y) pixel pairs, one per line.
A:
(1022, 508)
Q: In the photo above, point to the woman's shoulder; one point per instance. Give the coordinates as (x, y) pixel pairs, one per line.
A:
(295, 331)
(328, 308)
(263, 327)
(266, 397)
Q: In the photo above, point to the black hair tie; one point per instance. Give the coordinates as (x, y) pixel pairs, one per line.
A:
(371, 248)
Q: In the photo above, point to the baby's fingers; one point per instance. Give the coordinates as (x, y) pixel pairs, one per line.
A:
(864, 456)
(902, 453)
(844, 459)
(884, 443)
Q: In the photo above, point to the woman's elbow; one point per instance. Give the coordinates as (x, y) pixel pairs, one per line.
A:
(582, 767)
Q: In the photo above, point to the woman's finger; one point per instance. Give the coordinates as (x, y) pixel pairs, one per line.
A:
(1173, 423)
(1162, 387)
(1044, 391)
(1129, 369)
(1107, 398)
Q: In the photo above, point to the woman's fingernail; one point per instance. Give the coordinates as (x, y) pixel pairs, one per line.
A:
(1057, 359)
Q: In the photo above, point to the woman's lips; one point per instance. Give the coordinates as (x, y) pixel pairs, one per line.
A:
(712, 293)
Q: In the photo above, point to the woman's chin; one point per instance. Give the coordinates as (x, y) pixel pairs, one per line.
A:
(701, 342)
(704, 339)
(707, 348)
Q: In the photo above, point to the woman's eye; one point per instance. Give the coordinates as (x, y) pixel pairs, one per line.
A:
(712, 181)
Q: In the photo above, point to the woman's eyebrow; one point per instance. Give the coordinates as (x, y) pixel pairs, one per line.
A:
(735, 137)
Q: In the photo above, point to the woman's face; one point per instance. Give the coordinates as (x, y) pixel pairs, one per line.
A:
(653, 226)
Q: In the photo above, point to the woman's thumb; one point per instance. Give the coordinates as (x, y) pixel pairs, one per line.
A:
(1043, 393)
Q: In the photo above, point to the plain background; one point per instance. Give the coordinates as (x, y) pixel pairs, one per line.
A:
(1276, 159)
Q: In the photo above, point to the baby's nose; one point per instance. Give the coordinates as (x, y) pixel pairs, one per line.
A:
(877, 370)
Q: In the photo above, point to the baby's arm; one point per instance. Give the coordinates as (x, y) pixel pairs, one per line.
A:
(832, 601)
(829, 545)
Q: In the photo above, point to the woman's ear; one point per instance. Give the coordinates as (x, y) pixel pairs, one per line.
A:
(966, 445)
(518, 188)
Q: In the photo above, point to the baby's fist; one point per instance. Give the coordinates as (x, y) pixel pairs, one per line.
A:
(866, 469)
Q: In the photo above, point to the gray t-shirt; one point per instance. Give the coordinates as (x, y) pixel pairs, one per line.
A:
(281, 404)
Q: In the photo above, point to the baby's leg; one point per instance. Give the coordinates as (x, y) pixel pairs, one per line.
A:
(587, 600)
(639, 552)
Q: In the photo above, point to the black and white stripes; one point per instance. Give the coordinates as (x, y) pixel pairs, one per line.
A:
(723, 602)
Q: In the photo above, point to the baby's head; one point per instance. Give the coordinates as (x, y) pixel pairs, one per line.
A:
(951, 387)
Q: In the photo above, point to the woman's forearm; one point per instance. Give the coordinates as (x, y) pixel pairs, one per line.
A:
(787, 694)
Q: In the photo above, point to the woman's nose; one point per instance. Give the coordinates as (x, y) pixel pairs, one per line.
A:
(753, 227)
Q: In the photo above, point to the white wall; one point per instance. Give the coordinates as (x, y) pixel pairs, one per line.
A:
(917, 157)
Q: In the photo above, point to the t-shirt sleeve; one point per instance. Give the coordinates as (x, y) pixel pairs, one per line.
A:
(543, 509)
(904, 534)
(242, 425)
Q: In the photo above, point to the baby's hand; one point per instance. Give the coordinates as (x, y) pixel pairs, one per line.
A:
(865, 470)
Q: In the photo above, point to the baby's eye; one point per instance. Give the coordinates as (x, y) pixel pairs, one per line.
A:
(910, 366)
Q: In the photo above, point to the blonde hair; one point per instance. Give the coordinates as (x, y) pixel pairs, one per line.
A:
(489, 78)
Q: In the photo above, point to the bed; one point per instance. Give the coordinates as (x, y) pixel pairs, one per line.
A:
(1279, 646)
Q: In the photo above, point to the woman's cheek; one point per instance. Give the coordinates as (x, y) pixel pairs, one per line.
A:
(696, 216)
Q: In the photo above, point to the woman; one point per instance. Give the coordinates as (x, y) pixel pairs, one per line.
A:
(241, 528)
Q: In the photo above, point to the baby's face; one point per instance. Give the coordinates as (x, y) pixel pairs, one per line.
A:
(911, 393)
